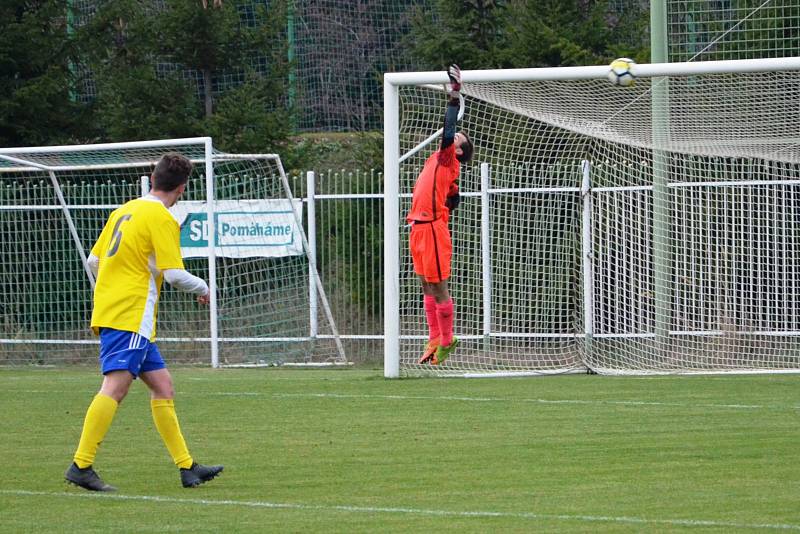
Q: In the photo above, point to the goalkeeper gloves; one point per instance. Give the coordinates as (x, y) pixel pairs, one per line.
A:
(454, 73)
(453, 201)
(453, 198)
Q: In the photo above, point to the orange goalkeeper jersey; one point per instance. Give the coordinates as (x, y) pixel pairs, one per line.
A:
(435, 183)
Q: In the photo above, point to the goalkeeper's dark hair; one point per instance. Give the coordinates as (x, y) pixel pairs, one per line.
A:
(171, 171)
(466, 149)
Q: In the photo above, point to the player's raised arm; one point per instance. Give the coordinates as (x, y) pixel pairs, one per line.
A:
(453, 103)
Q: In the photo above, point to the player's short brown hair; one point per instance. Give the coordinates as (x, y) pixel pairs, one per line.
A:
(171, 171)
(466, 149)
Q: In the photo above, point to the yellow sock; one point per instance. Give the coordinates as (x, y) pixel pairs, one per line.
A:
(97, 422)
(166, 421)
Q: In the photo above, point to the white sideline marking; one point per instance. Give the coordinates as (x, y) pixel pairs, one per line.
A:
(411, 511)
(505, 400)
(461, 399)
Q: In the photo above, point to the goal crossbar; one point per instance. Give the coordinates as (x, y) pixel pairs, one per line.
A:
(640, 70)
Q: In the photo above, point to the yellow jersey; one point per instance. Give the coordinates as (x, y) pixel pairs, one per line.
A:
(140, 240)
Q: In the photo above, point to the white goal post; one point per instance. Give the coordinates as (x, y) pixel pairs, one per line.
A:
(241, 229)
(617, 230)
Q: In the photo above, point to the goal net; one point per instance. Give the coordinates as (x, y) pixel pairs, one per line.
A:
(268, 306)
(644, 229)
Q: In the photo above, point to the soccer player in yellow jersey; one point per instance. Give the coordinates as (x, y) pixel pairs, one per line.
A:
(138, 248)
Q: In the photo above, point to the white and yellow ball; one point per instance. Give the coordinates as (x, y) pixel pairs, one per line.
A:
(621, 72)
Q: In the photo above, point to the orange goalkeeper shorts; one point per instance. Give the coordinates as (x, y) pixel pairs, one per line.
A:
(431, 250)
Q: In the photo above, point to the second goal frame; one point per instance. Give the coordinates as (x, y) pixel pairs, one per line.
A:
(56, 200)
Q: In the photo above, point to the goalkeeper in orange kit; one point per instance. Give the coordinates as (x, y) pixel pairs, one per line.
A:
(435, 196)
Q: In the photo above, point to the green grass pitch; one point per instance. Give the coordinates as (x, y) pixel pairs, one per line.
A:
(348, 451)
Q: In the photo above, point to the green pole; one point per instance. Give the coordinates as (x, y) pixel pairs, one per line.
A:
(661, 196)
(73, 94)
(290, 56)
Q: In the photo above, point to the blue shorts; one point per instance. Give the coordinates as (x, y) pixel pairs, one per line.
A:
(126, 351)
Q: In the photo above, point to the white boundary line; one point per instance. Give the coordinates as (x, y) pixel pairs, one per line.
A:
(554, 402)
(411, 511)
(509, 400)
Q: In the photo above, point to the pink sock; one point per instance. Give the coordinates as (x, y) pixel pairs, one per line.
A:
(430, 314)
(445, 313)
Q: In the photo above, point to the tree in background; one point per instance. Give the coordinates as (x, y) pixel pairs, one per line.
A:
(206, 38)
(573, 32)
(143, 57)
(35, 78)
(248, 120)
(344, 49)
(484, 34)
(467, 32)
(134, 98)
(253, 115)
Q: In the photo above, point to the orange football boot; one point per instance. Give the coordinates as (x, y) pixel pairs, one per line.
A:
(430, 351)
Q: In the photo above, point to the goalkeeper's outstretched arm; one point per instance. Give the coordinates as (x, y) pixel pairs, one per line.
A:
(453, 103)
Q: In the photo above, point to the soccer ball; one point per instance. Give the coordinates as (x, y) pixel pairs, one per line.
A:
(621, 72)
